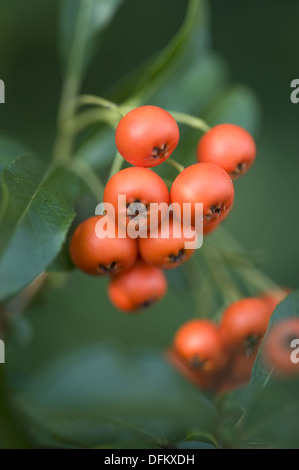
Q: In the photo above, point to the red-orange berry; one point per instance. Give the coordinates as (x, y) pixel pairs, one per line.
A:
(165, 247)
(203, 380)
(229, 146)
(281, 350)
(147, 136)
(204, 183)
(244, 324)
(139, 287)
(101, 256)
(199, 343)
(139, 185)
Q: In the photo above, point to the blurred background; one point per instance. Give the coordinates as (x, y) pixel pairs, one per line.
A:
(246, 56)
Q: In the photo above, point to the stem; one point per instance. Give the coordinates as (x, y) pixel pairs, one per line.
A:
(175, 165)
(258, 279)
(63, 145)
(199, 286)
(250, 273)
(116, 165)
(90, 117)
(223, 280)
(98, 101)
(191, 121)
(168, 182)
(89, 177)
(192, 274)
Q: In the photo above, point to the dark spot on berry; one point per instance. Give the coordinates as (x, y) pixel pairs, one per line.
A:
(175, 258)
(159, 152)
(197, 363)
(214, 212)
(147, 303)
(251, 343)
(239, 170)
(106, 270)
(139, 209)
(217, 209)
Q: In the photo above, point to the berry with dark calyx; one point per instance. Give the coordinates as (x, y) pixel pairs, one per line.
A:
(204, 381)
(200, 344)
(101, 256)
(140, 186)
(146, 136)
(229, 146)
(204, 183)
(138, 288)
(165, 250)
(244, 324)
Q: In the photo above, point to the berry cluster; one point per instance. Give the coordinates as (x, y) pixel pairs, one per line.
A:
(146, 137)
(221, 357)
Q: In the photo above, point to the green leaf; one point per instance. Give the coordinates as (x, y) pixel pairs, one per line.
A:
(35, 215)
(126, 445)
(99, 150)
(269, 416)
(194, 445)
(237, 105)
(175, 67)
(271, 406)
(288, 308)
(198, 82)
(11, 436)
(63, 261)
(190, 40)
(81, 24)
(102, 394)
(271, 420)
(202, 436)
(9, 150)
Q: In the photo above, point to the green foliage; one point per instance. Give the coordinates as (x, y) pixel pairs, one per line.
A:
(82, 23)
(190, 38)
(35, 214)
(288, 308)
(11, 436)
(68, 386)
(271, 420)
(261, 417)
(237, 105)
(9, 150)
(269, 406)
(86, 406)
(98, 150)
